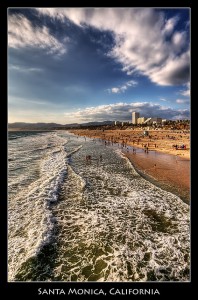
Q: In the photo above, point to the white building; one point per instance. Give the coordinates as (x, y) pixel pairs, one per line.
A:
(151, 121)
(135, 116)
(117, 123)
(141, 120)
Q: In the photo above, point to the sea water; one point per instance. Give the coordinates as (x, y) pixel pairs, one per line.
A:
(73, 219)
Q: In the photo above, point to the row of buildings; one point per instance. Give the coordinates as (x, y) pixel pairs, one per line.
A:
(136, 119)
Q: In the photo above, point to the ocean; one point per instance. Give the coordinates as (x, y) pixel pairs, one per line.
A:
(77, 219)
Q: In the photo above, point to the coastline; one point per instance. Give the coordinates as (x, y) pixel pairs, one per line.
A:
(170, 170)
(158, 140)
(165, 171)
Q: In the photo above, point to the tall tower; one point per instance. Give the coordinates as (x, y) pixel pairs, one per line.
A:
(135, 116)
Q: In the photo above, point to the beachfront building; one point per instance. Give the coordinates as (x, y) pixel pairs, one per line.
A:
(146, 121)
(117, 123)
(151, 121)
(141, 120)
(135, 116)
(125, 123)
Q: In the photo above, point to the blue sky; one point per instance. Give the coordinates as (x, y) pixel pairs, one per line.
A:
(75, 65)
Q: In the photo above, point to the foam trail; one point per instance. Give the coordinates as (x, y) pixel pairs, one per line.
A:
(120, 227)
(30, 219)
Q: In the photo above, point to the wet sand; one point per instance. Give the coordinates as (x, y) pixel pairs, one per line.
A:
(169, 172)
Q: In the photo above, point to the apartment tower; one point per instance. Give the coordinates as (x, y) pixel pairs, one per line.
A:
(135, 116)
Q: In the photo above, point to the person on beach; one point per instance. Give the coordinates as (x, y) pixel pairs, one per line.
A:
(88, 158)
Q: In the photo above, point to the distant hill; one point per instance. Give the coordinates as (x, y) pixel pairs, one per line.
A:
(32, 125)
(97, 123)
(38, 126)
(51, 126)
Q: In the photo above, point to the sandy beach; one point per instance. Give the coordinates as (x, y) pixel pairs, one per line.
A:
(158, 140)
(153, 156)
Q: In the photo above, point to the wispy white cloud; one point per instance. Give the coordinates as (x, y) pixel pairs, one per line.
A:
(186, 93)
(141, 42)
(122, 111)
(182, 101)
(24, 69)
(114, 90)
(162, 99)
(123, 88)
(179, 40)
(170, 25)
(22, 33)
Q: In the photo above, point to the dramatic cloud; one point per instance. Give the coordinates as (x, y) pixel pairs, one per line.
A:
(175, 72)
(77, 58)
(123, 88)
(141, 43)
(21, 34)
(122, 112)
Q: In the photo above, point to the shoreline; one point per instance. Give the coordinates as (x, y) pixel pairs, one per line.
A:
(168, 179)
(162, 141)
(168, 171)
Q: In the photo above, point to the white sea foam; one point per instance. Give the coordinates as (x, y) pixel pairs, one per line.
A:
(30, 220)
(123, 228)
(113, 224)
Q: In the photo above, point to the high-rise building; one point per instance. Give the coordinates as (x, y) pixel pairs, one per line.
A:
(151, 121)
(135, 116)
(141, 120)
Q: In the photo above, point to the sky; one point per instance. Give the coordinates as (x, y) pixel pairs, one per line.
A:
(78, 65)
